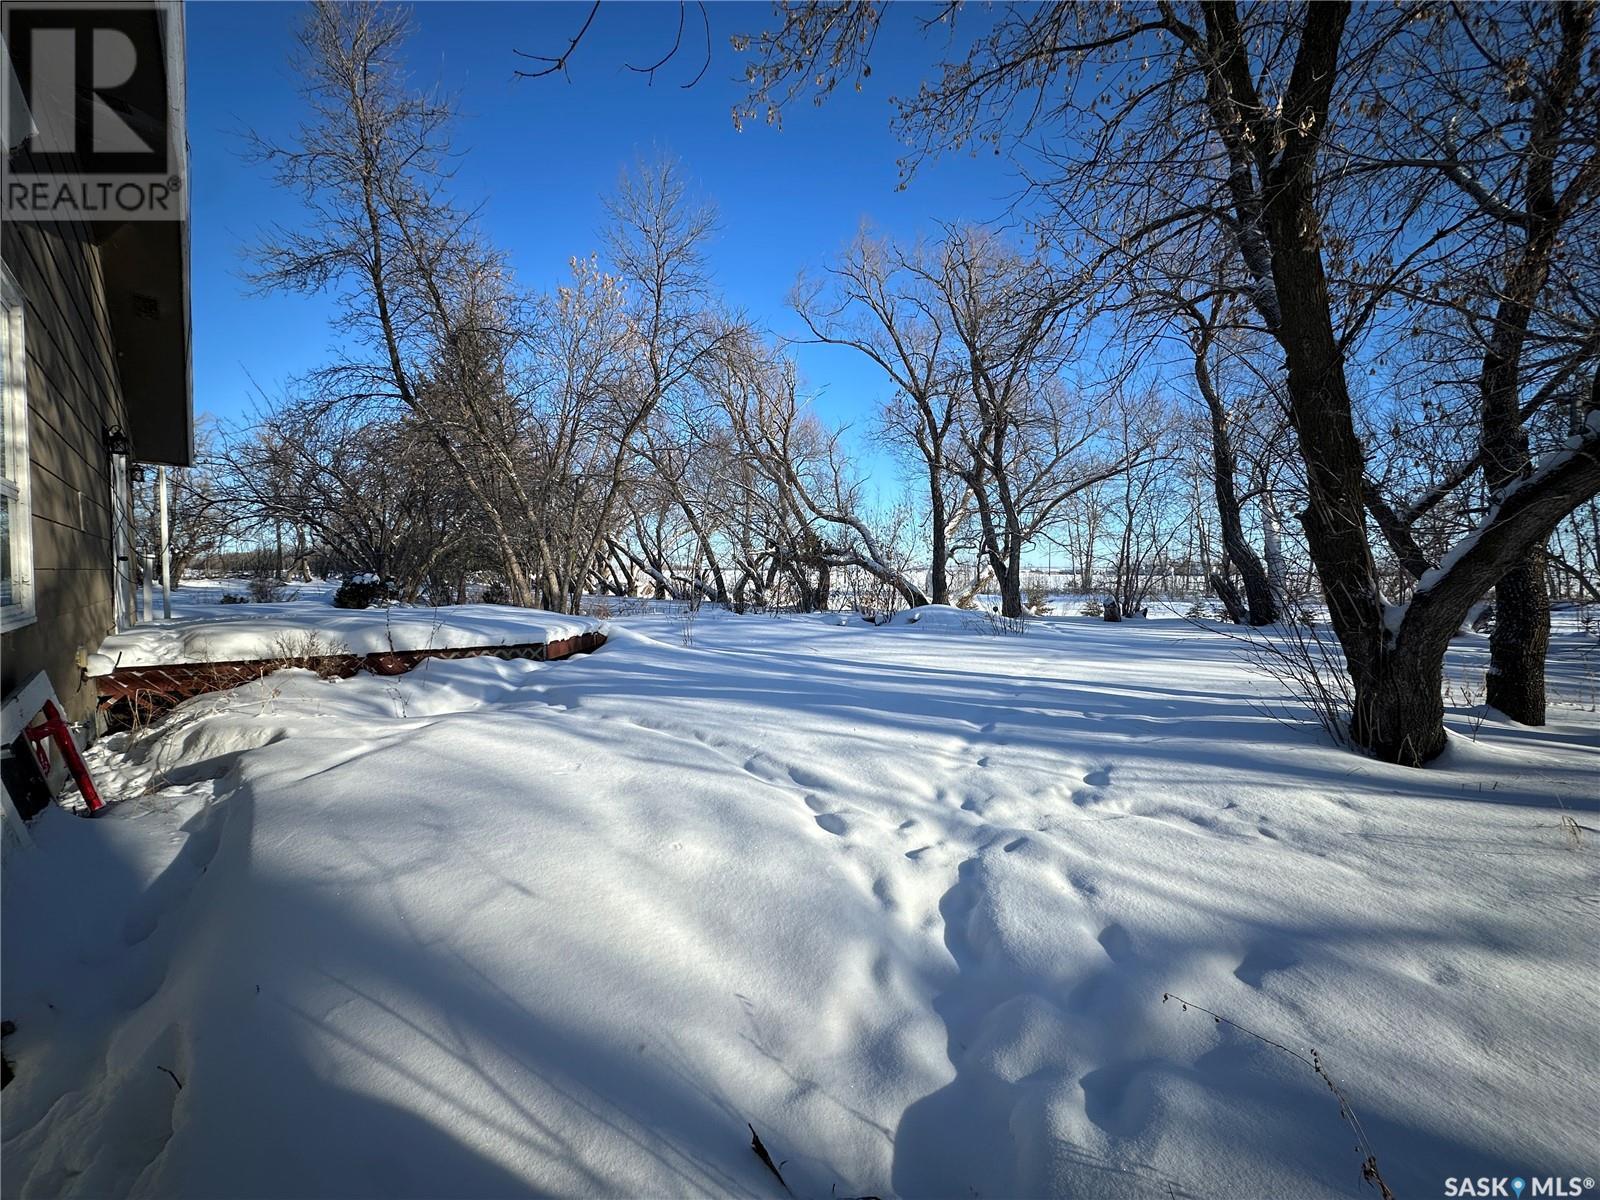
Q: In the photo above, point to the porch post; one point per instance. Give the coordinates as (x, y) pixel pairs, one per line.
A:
(166, 556)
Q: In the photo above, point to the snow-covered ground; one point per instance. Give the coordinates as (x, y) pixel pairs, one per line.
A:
(905, 899)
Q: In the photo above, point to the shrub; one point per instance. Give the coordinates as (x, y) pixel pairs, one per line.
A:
(308, 651)
(1038, 600)
(1092, 608)
(265, 589)
(363, 591)
(495, 593)
(1309, 667)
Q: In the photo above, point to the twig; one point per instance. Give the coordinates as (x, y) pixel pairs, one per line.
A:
(761, 1153)
(1369, 1160)
(559, 63)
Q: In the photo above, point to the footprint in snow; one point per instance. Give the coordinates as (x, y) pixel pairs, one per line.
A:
(1114, 940)
(1262, 960)
(1093, 790)
(1083, 885)
(885, 894)
(1119, 1098)
(834, 824)
(764, 768)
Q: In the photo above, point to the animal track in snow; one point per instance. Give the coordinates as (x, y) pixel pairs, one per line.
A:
(769, 770)
(1093, 790)
(1117, 944)
(885, 894)
(1119, 1098)
(833, 823)
(1083, 885)
(1262, 960)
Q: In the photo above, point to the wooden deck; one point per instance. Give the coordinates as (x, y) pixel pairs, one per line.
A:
(131, 695)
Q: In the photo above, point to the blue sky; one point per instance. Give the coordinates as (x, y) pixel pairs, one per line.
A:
(540, 153)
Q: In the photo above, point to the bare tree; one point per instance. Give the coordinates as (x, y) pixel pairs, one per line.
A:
(1146, 505)
(876, 302)
(1503, 121)
(1028, 440)
(375, 496)
(370, 166)
(1174, 119)
(815, 498)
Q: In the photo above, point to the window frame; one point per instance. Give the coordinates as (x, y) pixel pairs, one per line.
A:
(17, 470)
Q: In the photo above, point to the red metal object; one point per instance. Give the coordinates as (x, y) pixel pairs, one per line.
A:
(55, 729)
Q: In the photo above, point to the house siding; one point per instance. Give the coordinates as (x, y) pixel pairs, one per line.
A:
(74, 394)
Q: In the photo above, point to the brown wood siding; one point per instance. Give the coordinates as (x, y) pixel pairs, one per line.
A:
(74, 393)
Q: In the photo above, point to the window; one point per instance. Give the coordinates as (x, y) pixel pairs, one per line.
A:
(16, 518)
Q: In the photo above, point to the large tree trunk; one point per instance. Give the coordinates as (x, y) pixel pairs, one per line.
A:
(1521, 634)
(1399, 707)
(1009, 568)
(1229, 595)
(1519, 642)
(1010, 584)
(939, 572)
(1387, 722)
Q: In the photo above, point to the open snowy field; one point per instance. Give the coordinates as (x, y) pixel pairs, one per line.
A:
(905, 899)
